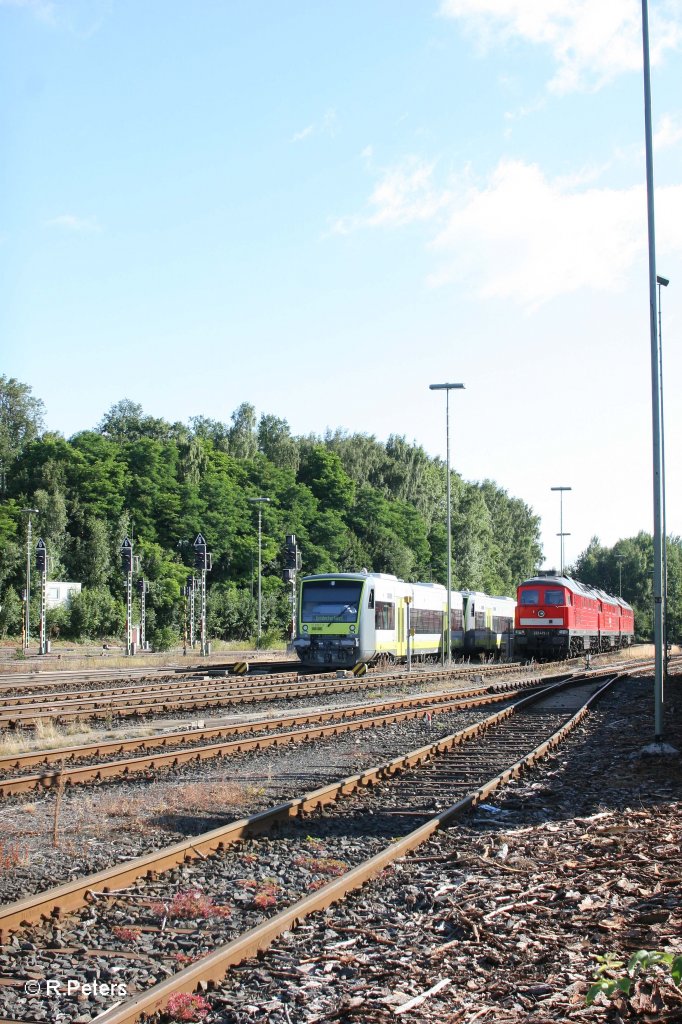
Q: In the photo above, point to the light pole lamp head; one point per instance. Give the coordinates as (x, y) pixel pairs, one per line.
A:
(561, 488)
(663, 280)
(445, 387)
(260, 499)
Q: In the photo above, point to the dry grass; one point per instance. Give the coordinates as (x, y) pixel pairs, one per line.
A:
(49, 735)
(93, 657)
(191, 798)
(12, 855)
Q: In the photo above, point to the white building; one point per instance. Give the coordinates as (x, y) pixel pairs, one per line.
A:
(58, 593)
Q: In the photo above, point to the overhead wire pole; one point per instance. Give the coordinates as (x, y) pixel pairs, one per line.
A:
(561, 523)
(447, 388)
(663, 282)
(655, 391)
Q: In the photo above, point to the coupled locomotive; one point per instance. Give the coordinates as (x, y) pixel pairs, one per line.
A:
(557, 616)
(347, 618)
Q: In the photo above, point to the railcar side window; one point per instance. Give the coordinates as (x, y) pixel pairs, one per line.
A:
(370, 602)
(456, 618)
(530, 597)
(554, 597)
(426, 620)
(384, 615)
(479, 620)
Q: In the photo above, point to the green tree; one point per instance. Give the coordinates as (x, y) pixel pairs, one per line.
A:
(21, 419)
(126, 421)
(243, 433)
(276, 443)
(629, 564)
(324, 474)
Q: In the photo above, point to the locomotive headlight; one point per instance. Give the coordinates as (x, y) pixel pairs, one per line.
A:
(562, 632)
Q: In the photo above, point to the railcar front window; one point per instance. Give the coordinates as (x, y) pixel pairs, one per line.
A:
(330, 601)
(554, 597)
(530, 597)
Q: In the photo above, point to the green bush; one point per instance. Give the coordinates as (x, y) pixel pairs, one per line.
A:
(164, 638)
(95, 614)
(11, 613)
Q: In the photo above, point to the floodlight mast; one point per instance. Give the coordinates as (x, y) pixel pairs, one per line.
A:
(655, 390)
(447, 388)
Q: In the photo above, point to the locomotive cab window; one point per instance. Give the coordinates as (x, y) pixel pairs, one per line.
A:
(530, 597)
(554, 597)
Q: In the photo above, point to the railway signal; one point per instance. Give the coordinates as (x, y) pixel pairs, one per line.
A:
(292, 563)
(203, 562)
(127, 555)
(127, 566)
(42, 564)
(27, 599)
(292, 555)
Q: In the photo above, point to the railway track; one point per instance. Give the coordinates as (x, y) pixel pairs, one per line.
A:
(229, 740)
(219, 898)
(141, 700)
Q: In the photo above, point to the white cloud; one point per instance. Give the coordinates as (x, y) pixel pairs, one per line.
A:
(325, 126)
(405, 194)
(303, 134)
(524, 238)
(69, 222)
(520, 236)
(668, 133)
(44, 10)
(591, 42)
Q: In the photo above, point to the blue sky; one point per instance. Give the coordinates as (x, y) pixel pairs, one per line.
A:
(323, 207)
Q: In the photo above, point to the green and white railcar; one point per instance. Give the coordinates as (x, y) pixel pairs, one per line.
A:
(346, 618)
(488, 623)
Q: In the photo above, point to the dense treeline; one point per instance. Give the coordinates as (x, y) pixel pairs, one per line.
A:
(352, 501)
(627, 567)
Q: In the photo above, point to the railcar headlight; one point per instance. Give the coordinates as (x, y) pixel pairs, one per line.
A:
(562, 632)
(305, 629)
(351, 629)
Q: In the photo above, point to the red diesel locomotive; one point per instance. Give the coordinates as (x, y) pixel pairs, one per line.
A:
(557, 616)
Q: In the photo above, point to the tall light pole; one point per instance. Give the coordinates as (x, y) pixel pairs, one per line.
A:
(27, 623)
(561, 521)
(663, 282)
(447, 388)
(260, 502)
(655, 389)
